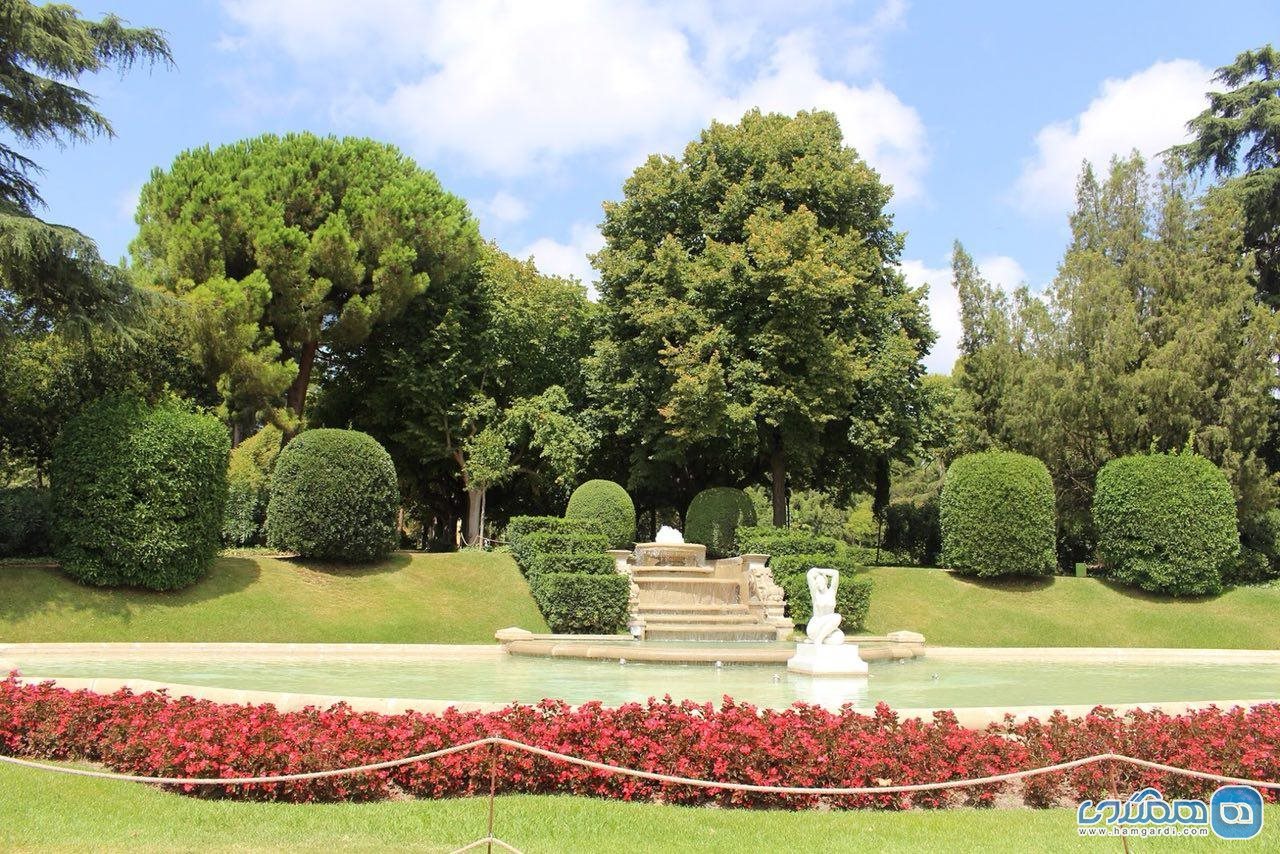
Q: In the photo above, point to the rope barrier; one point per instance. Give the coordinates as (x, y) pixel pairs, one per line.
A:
(646, 775)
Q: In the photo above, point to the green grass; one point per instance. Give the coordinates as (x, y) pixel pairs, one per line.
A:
(408, 598)
(950, 610)
(40, 810)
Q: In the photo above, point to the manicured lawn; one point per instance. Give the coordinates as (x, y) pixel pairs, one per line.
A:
(954, 611)
(408, 598)
(43, 810)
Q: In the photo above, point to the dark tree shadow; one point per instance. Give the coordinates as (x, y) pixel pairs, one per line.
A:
(395, 562)
(1154, 598)
(1011, 584)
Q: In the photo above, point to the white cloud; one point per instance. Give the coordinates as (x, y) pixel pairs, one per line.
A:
(504, 208)
(1147, 111)
(886, 132)
(513, 88)
(944, 313)
(127, 202)
(567, 258)
(1002, 271)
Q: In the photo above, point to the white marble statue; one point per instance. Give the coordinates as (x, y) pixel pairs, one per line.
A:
(668, 536)
(824, 625)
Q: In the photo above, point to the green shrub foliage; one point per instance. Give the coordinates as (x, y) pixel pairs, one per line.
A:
(1166, 523)
(530, 546)
(519, 526)
(766, 539)
(853, 599)
(25, 522)
(912, 528)
(785, 566)
(997, 515)
(138, 494)
(576, 603)
(714, 517)
(249, 488)
(333, 496)
(582, 564)
(1259, 549)
(609, 505)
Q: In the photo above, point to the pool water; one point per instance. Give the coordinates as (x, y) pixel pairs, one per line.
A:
(918, 683)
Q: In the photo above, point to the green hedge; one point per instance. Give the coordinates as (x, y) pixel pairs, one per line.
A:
(26, 524)
(334, 496)
(575, 603)
(853, 600)
(766, 539)
(785, 566)
(138, 494)
(609, 505)
(714, 517)
(1166, 523)
(583, 564)
(529, 546)
(249, 488)
(997, 515)
(519, 526)
(1259, 549)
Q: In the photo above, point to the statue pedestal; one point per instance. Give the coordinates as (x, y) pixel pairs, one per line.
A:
(827, 660)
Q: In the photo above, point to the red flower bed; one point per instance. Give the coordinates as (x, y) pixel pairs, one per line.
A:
(156, 735)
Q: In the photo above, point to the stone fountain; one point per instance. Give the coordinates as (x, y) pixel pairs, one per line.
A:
(678, 594)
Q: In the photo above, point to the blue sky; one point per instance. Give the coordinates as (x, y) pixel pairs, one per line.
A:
(535, 112)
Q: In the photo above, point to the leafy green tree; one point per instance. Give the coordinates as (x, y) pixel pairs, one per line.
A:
(51, 272)
(1150, 335)
(1238, 138)
(292, 249)
(755, 316)
(471, 387)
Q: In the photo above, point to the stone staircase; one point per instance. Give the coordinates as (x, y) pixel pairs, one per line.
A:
(686, 598)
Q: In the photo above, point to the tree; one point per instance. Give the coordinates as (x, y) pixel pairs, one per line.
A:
(473, 387)
(294, 248)
(1238, 138)
(755, 316)
(51, 272)
(1150, 337)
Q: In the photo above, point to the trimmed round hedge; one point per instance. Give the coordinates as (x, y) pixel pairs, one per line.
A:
(611, 507)
(714, 517)
(997, 515)
(334, 496)
(138, 494)
(1166, 523)
(249, 488)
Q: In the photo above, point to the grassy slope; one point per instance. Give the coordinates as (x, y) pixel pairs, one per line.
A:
(409, 598)
(954, 611)
(39, 810)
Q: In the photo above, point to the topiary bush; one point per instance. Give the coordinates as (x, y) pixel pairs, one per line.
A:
(249, 488)
(575, 603)
(853, 599)
(25, 522)
(714, 517)
(766, 539)
(1166, 523)
(997, 515)
(519, 526)
(334, 496)
(582, 564)
(785, 566)
(529, 546)
(609, 506)
(138, 494)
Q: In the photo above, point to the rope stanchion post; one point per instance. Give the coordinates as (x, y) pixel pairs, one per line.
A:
(493, 790)
(1115, 792)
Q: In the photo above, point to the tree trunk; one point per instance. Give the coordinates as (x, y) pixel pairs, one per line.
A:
(471, 532)
(778, 471)
(296, 397)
